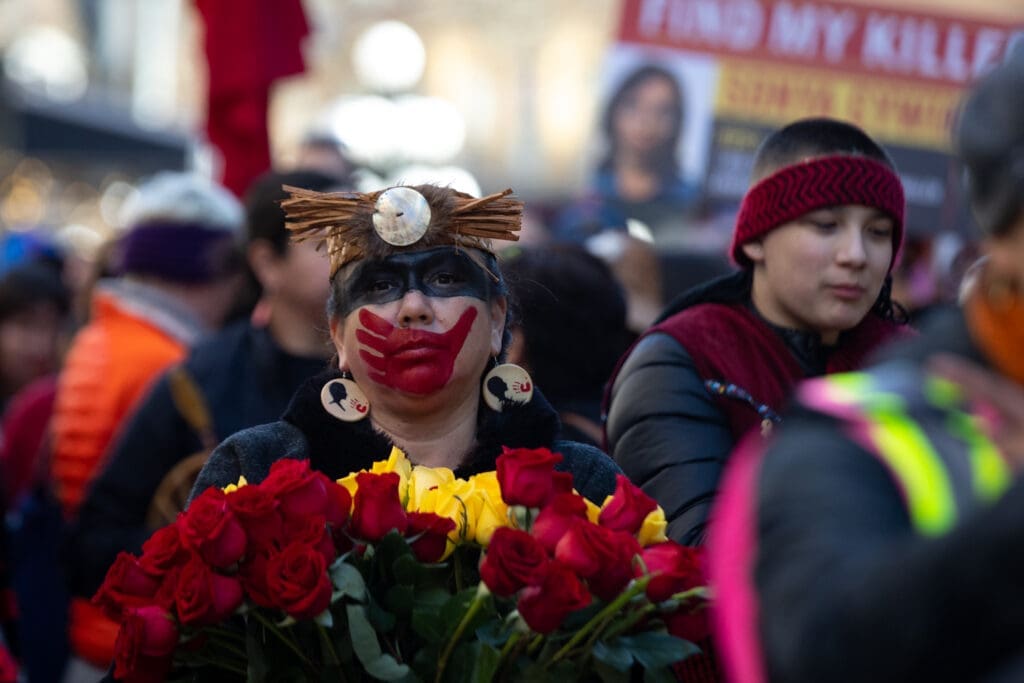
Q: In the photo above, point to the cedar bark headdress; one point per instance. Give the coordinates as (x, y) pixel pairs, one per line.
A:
(356, 225)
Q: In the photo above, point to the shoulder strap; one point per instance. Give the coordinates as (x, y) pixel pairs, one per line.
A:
(188, 399)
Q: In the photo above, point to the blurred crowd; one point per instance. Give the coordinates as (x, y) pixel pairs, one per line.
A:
(200, 318)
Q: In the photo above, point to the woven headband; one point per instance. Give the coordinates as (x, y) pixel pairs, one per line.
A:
(818, 183)
(357, 225)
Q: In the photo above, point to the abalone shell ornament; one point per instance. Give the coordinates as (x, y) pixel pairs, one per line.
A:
(401, 216)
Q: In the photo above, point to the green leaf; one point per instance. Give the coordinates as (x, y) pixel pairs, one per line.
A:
(383, 621)
(615, 654)
(660, 675)
(654, 649)
(486, 665)
(325, 618)
(426, 615)
(367, 648)
(256, 654)
(494, 633)
(347, 581)
(391, 548)
(608, 674)
(454, 609)
(400, 600)
(385, 668)
(407, 570)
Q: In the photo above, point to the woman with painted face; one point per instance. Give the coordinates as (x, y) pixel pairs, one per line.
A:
(417, 316)
(815, 239)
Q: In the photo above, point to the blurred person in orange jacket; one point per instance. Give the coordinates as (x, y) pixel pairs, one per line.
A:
(182, 270)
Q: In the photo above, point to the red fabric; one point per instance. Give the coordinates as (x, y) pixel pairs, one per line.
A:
(25, 428)
(249, 44)
(801, 188)
(731, 344)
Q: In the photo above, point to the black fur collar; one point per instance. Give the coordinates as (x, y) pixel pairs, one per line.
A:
(338, 448)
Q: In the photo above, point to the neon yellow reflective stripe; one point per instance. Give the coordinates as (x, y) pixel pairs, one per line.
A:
(903, 445)
(991, 473)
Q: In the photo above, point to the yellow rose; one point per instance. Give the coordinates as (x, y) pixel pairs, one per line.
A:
(396, 462)
(349, 482)
(448, 500)
(422, 480)
(653, 528)
(487, 511)
(230, 488)
(593, 511)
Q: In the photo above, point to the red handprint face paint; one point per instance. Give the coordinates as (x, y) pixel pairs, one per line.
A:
(411, 360)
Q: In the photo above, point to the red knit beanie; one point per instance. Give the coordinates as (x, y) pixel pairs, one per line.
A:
(800, 188)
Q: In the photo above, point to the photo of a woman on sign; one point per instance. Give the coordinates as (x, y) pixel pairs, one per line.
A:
(639, 175)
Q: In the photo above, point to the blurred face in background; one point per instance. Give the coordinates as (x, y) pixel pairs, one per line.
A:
(646, 117)
(30, 345)
(303, 280)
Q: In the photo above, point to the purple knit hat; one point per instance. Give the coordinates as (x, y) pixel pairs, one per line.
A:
(181, 227)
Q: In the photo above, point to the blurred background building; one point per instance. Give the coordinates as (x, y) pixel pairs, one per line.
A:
(480, 94)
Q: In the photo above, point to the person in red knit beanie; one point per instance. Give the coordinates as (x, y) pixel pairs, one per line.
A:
(815, 241)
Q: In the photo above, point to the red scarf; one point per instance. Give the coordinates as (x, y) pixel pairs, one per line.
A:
(731, 344)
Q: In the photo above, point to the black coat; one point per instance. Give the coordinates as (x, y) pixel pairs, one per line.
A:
(664, 427)
(849, 591)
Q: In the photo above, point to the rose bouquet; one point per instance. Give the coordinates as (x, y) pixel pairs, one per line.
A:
(408, 573)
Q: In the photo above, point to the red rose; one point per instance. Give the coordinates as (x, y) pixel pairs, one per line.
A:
(514, 559)
(297, 579)
(163, 550)
(169, 586)
(339, 502)
(311, 531)
(253, 575)
(526, 475)
(674, 567)
(204, 596)
(546, 605)
(377, 508)
(556, 517)
(601, 556)
(428, 535)
(692, 626)
(211, 529)
(298, 489)
(562, 482)
(628, 507)
(256, 510)
(145, 644)
(127, 584)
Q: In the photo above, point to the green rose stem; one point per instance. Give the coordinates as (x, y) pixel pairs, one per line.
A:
(224, 644)
(220, 664)
(600, 619)
(332, 653)
(512, 641)
(478, 601)
(267, 623)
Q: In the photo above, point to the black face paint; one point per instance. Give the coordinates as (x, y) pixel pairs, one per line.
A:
(438, 272)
